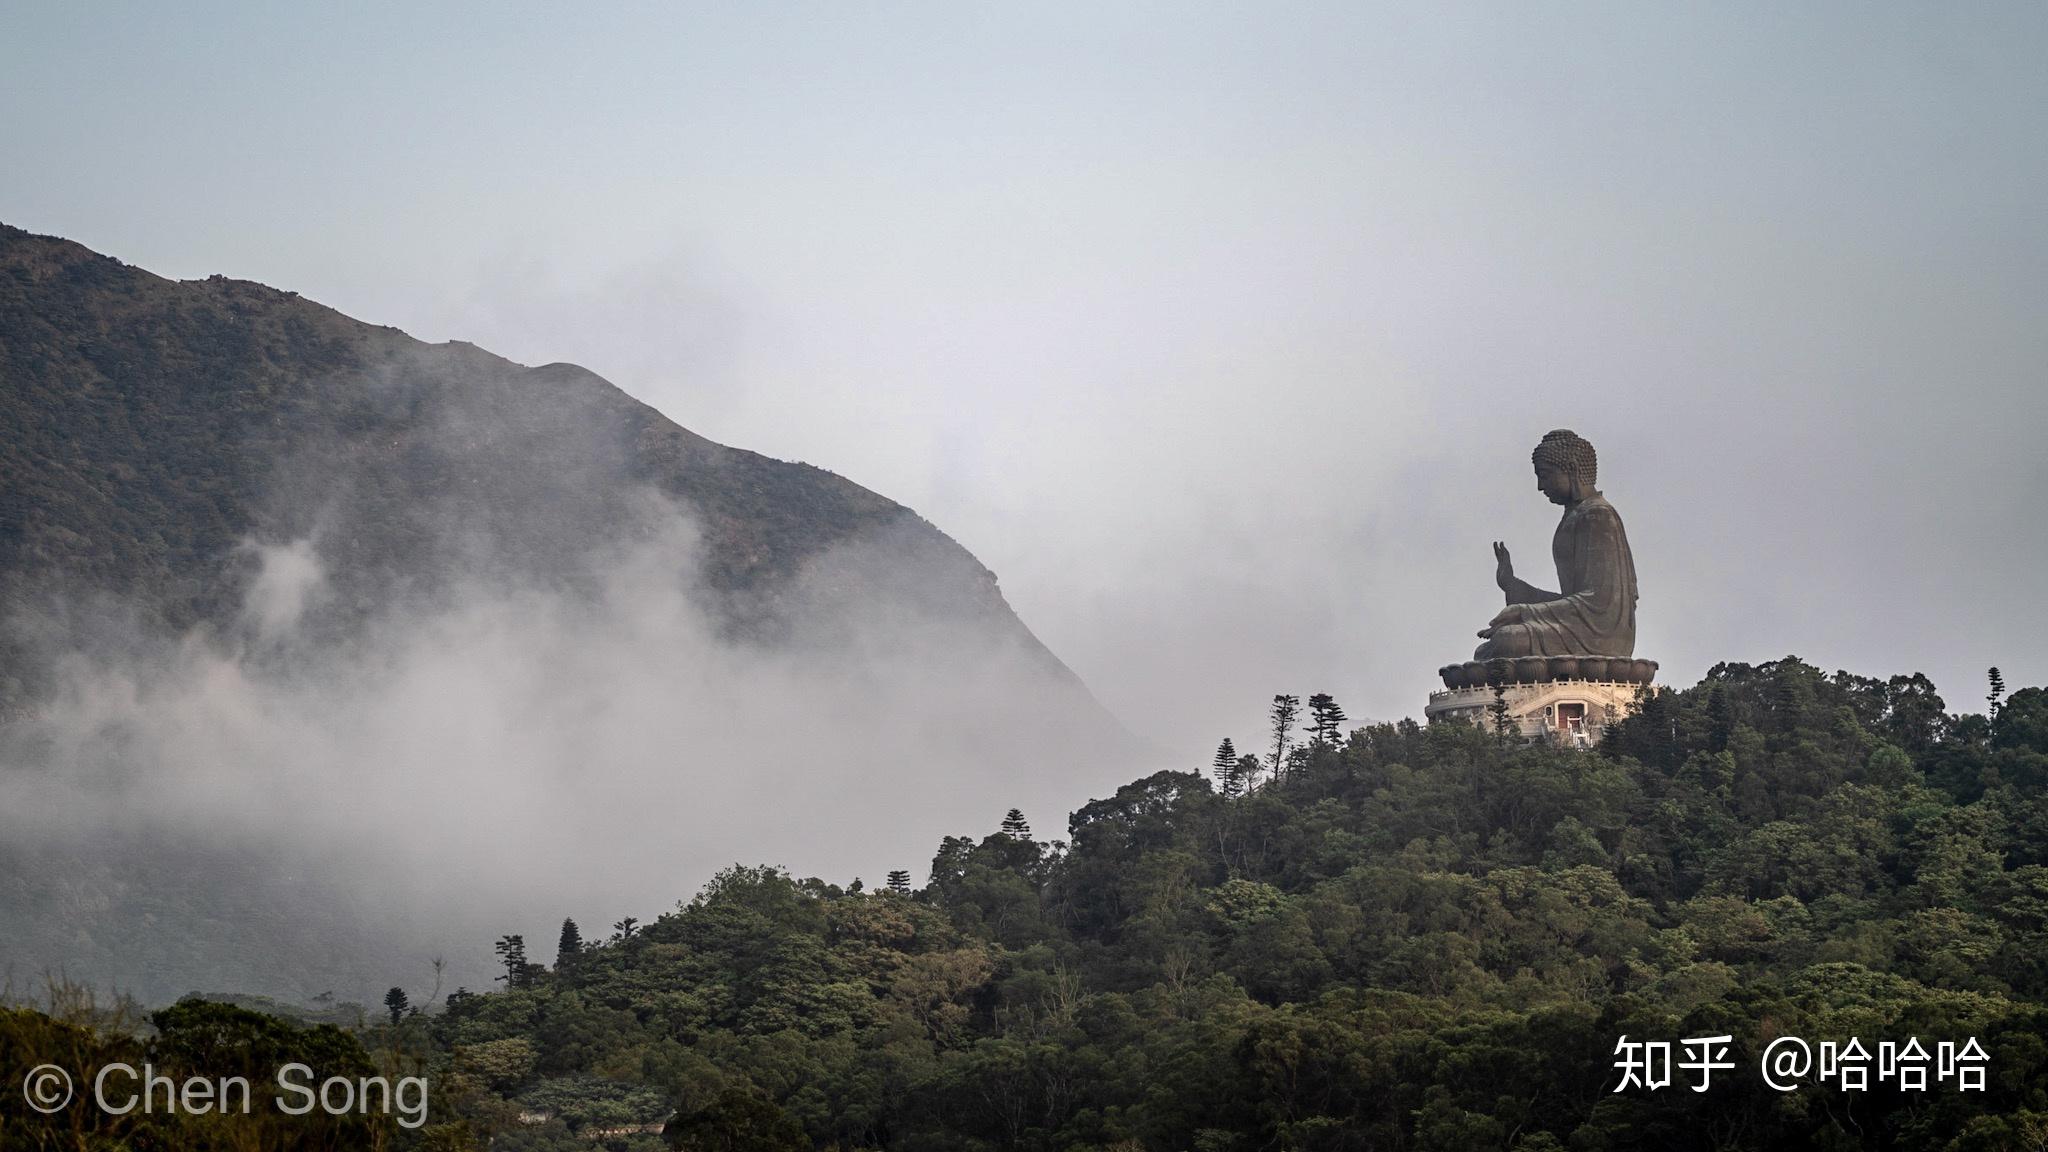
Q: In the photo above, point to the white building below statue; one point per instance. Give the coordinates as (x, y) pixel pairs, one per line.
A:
(1572, 713)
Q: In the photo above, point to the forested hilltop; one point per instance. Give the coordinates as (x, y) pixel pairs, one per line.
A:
(1417, 939)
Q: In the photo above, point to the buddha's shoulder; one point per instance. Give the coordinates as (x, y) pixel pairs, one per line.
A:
(1595, 508)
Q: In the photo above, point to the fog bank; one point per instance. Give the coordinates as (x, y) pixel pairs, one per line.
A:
(514, 755)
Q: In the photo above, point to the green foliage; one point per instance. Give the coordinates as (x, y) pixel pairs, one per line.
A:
(1415, 938)
(568, 945)
(512, 955)
(1285, 708)
(1229, 777)
(1410, 938)
(192, 1039)
(736, 1121)
(1326, 720)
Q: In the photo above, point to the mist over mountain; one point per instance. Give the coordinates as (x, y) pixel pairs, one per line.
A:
(150, 427)
(328, 650)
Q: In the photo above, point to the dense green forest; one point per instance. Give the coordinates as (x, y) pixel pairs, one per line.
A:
(1408, 938)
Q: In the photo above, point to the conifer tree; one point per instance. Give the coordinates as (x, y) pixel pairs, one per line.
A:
(512, 954)
(1720, 719)
(1014, 825)
(1997, 695)
(1285, 709)
(396, 1002)
(570, 945)
(899, 882)
(1326, 720)
(1228, 779)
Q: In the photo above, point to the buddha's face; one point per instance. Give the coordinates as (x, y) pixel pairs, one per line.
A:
(1553, 482)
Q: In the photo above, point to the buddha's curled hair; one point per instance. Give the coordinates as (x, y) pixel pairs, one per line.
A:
(1569, 452)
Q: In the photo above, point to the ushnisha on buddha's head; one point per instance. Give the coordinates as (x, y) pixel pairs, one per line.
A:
(1565, 467)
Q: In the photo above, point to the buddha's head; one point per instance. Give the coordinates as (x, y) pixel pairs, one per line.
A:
(1565, 467)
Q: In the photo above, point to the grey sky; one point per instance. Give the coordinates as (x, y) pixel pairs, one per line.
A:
(1222, 333)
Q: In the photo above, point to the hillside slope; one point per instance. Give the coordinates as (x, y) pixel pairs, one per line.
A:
(148, 427)
(323, 649)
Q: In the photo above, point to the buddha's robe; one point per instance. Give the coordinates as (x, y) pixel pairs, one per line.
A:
(1594, 614)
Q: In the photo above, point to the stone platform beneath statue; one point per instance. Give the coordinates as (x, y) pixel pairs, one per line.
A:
(1571, 709)
(1541, 669)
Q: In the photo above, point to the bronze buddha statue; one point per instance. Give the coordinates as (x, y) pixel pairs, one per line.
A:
(1593, 612)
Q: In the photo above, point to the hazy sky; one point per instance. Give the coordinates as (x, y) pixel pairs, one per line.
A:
(1220, 332)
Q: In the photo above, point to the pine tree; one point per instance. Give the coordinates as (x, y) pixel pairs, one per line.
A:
(512, 954)
(624, 929)
(1285, 709)
(396, 1002)
(1997, 695)
(1014, 825)
(1228, 780)
(1326, 720)
(1499, 708)
(1720, 719)
(569, 946)
(1655, 728)
(899, 882)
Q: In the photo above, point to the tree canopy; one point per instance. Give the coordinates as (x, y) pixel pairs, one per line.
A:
(1413, 938)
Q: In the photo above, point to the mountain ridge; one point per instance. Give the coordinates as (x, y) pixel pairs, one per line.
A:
(148, 426)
